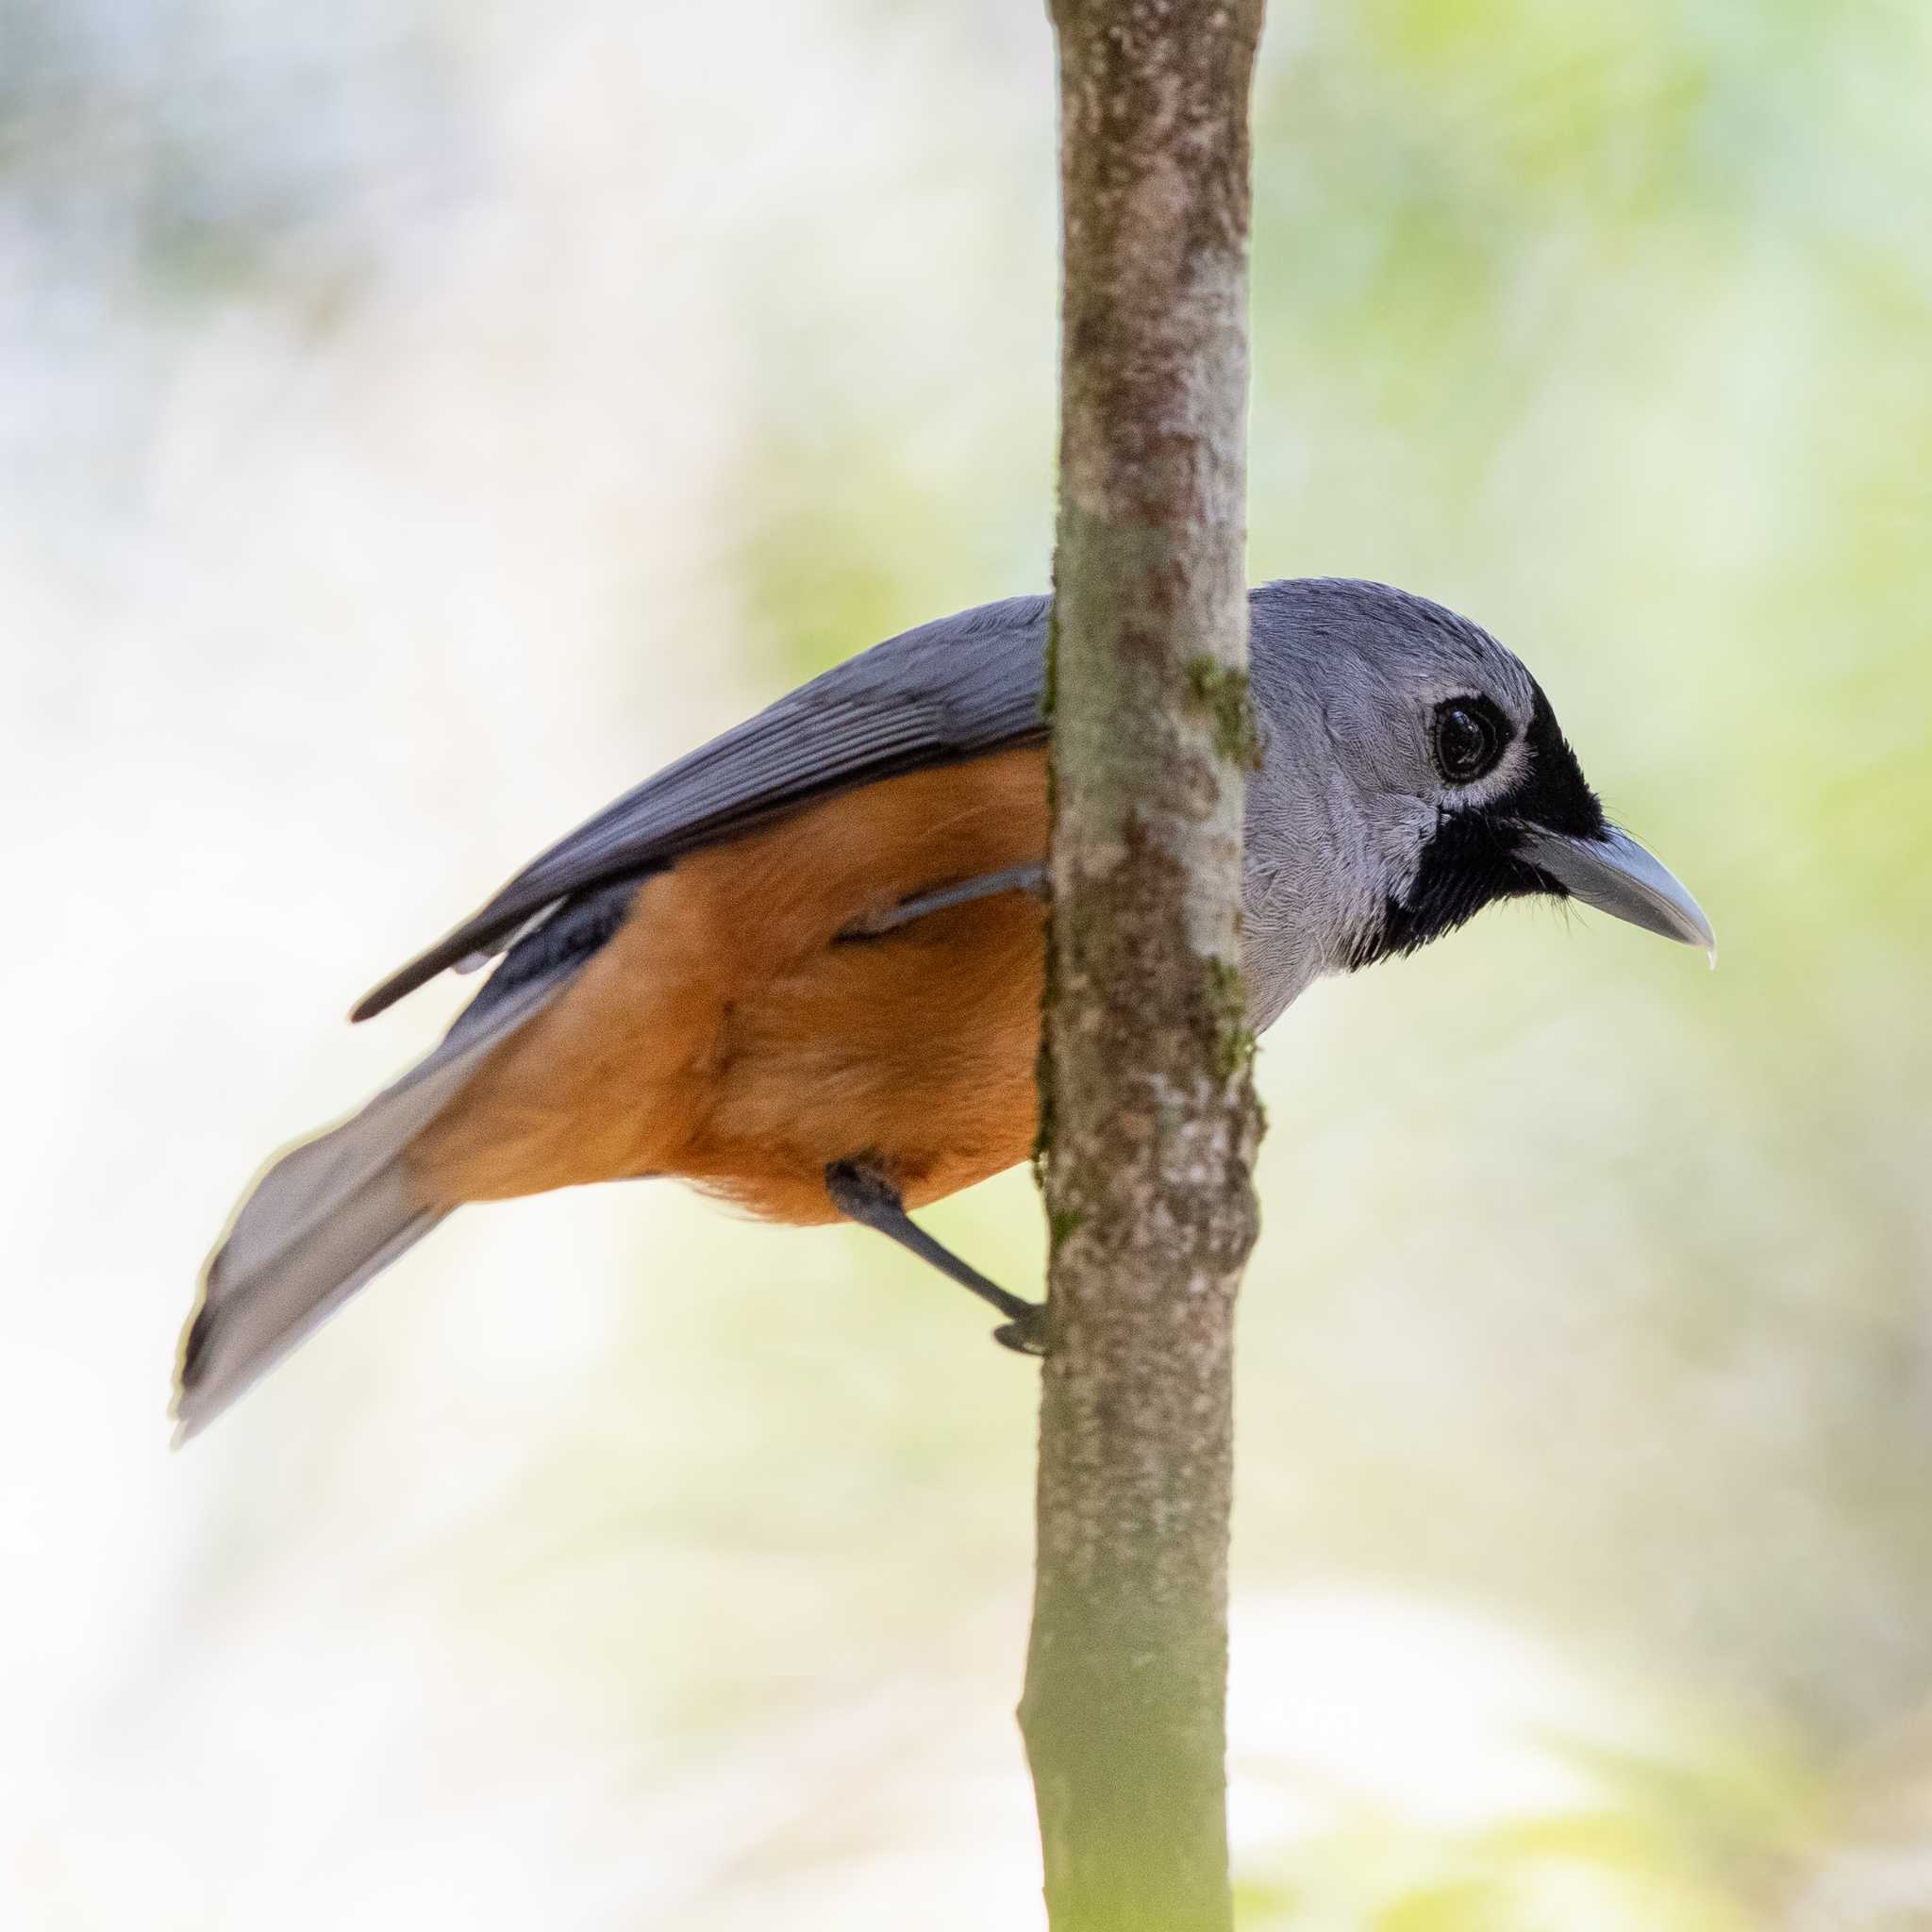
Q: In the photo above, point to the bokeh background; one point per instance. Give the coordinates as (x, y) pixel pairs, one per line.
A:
(420, 420)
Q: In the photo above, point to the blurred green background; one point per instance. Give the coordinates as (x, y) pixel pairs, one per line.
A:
(418, 420)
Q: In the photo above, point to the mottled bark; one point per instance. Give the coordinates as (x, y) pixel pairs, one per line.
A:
(1148, 1116)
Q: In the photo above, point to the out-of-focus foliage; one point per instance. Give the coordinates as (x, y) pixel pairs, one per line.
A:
(417, 421)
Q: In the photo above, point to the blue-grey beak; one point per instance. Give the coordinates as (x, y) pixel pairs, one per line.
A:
(1615, 874)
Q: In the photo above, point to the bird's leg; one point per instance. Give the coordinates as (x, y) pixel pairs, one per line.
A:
(1016, 878)
(863, 1195)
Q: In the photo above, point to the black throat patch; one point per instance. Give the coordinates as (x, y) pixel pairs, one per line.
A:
(1471, 858)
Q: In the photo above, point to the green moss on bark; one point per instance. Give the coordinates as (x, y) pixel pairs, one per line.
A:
(1227, 1005)
(1223, 693)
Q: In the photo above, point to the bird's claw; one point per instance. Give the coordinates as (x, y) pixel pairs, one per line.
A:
(1024, 1334)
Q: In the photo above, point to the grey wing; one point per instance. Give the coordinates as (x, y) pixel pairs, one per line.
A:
(954, 689)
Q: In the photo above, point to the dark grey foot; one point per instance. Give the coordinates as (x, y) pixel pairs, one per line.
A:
(1025, 1334)
(861, 1193)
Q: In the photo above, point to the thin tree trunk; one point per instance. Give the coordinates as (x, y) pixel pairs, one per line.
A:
(1148, 1118)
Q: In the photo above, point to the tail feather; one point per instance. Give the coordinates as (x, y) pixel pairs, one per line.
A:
(324, 1218)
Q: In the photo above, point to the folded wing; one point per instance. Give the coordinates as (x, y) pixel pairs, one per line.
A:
(964, 685)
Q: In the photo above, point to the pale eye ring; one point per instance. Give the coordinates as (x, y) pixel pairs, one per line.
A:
(1467, 737)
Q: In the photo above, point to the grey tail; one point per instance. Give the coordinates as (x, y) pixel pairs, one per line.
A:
(326, 1216)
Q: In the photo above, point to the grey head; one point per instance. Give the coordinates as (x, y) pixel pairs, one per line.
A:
(1413, 773)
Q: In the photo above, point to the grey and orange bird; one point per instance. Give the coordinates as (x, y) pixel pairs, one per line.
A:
(801, 968)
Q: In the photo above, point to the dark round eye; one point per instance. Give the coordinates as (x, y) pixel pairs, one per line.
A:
(1469, 738)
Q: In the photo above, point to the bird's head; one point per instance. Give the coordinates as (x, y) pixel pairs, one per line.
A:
(1408, 740)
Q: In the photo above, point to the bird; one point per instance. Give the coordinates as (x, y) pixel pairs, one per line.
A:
(801, 968)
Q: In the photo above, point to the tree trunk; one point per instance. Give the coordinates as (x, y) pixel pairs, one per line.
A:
(1148, 1117)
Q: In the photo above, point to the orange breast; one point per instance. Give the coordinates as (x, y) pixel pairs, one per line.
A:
(728, 1035)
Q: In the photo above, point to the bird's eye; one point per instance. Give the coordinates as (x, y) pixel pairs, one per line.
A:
(1469, 738)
